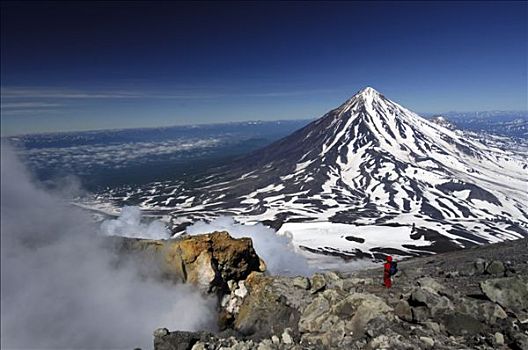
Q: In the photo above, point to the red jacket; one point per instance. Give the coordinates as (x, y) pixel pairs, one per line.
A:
(386, 272)
(386, 269)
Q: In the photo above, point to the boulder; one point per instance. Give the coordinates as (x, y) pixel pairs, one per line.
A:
(495, 268)
(264, 311)
(332, 315)
(330, 336)
(499, 338)
(403, 311)
(275, 340)
(367, 307)
(431, 285)
(379, 342)
(314, 315)
(428, 341)
(509, 292)
(301, 282)
(318, 283)
(460, 324)
(480, 266)
(490, 312)
(287, 337)
(420, 297)
(420, 314)
(435, 327)
(434, 304)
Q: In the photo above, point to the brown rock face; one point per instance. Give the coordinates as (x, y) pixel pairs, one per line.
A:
(208, 261)
(263, 311)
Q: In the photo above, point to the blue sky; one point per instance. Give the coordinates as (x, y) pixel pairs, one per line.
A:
(80, 66)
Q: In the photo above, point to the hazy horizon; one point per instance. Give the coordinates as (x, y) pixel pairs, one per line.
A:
(424, 114)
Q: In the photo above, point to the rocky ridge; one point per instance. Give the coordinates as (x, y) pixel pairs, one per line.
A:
(468, 299)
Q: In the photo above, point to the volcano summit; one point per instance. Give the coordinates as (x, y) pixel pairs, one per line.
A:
(366, 178)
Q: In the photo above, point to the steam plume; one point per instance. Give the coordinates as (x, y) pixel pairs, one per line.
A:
(59, 288)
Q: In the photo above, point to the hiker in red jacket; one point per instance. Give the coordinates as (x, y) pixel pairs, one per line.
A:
(387, 272)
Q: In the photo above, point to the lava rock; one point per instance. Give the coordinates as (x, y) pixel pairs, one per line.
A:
(460, 324)
(509, 292)
(264, 311)
(287, 337)
(420, 314)
(428, 341)
(499, 338)
(495, 268)
(301, 282)
(368, 307)
(318, 283)
(480, 265)
(403, 311)
(314, 315)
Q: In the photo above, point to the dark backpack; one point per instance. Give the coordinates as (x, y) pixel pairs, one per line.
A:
(393, 268)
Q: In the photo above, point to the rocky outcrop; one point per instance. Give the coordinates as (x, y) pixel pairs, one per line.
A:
(509, 292)
(458, 300)
(213, 262)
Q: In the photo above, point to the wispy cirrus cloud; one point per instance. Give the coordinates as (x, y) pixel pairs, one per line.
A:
(21, 101)
(30, 111)
(288, 93)
(42, 100)
(54, 93)
(66, 93)
(28, 105)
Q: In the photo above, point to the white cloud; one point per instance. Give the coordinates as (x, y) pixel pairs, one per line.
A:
(113, 155)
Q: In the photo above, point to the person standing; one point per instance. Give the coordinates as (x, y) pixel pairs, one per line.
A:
(388, 271)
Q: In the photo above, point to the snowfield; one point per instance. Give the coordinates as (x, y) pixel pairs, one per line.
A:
(328, 235)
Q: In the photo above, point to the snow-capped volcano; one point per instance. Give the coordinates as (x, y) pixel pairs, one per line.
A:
(371, 165)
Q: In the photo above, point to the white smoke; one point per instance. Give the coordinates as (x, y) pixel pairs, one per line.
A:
(277, 251)
(59, 286)
(129, 224)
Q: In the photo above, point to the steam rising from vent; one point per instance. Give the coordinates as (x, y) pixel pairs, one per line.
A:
(277, 251)
(60, 288)
(128, 224)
